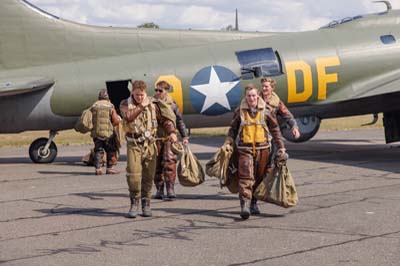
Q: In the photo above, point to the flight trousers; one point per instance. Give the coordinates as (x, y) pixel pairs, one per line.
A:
(140, 169)
(101, 146)
(252, 168)
(166, 164)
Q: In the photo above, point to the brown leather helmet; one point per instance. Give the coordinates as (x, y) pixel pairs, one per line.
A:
(103, 94)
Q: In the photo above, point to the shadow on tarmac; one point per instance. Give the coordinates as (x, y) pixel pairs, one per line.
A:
(363, 153)
(81, 211)
(234, 215)
(99, 212)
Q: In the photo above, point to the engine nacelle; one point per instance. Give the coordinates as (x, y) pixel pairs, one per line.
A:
(308, 127)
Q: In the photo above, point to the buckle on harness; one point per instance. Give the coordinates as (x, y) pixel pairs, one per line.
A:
(147, 134)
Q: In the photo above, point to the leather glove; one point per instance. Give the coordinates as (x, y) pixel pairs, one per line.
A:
(173, 138)
(281, 157)
(228, 144)
(228, 141)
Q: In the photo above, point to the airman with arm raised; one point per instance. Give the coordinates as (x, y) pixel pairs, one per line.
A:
(142, 115)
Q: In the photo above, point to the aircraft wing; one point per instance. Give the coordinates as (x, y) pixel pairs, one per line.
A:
(15, 86)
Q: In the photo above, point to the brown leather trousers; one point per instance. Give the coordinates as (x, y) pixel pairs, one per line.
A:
(165, 164)
(251, 170)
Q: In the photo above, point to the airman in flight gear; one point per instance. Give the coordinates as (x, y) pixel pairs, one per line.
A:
(104, 118)
(279, 109)
(166, 158)
(250, 128)
(142, 115)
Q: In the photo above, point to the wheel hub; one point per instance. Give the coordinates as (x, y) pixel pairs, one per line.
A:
(43, 153)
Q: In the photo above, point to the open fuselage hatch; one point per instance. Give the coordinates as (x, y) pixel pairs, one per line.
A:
(264, 62)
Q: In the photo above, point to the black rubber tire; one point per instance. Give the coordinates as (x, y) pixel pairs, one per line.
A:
(304, 136)
(35, 148)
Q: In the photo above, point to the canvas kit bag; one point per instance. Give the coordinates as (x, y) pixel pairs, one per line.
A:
(223, 165)
(190, 172)
(278, 188)
(84, 123)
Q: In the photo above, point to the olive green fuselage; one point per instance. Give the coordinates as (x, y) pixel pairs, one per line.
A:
(331, 72)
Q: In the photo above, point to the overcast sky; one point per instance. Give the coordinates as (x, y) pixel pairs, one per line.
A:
(255, 15)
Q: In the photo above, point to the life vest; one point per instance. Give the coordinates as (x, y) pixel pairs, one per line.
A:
(145, 124)
(166, 108)
(253, 130)
(101, 119)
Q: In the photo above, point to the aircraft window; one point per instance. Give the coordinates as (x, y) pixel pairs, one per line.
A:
(388, 39)
(334, 23)
(346, 20)
(259, 63)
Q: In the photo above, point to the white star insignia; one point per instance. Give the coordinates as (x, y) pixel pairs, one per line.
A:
(215, 91)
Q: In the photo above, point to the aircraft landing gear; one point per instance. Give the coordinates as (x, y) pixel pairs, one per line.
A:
(43, 150)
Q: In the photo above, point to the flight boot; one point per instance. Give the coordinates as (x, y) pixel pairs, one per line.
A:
(254, 210)
(114, 159)
(98, 171)
(112, 171)
(160, 190)
(170, 190)
(146, 210)
(133, 211)
(244, 208)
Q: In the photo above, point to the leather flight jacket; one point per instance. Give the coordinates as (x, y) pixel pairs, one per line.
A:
(268, 124)
(279, 109)
(141, 123)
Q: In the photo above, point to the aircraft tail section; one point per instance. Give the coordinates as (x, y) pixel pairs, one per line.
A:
(31, 37)
(26, 34)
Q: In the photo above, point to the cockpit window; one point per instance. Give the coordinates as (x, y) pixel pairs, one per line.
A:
(334, 23)
(259, 63)
(388, 39)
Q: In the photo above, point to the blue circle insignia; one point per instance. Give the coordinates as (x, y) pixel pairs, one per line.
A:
(215, 90)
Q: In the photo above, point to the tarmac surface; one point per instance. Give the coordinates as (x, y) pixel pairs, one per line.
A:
(348, 213)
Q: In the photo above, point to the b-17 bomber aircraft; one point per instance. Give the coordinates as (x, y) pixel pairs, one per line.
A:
(51, 69)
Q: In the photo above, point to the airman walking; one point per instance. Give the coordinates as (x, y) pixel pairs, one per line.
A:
(249, 130)
(142, 115)
(166, 159)
(104, 118)
(279, 110)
